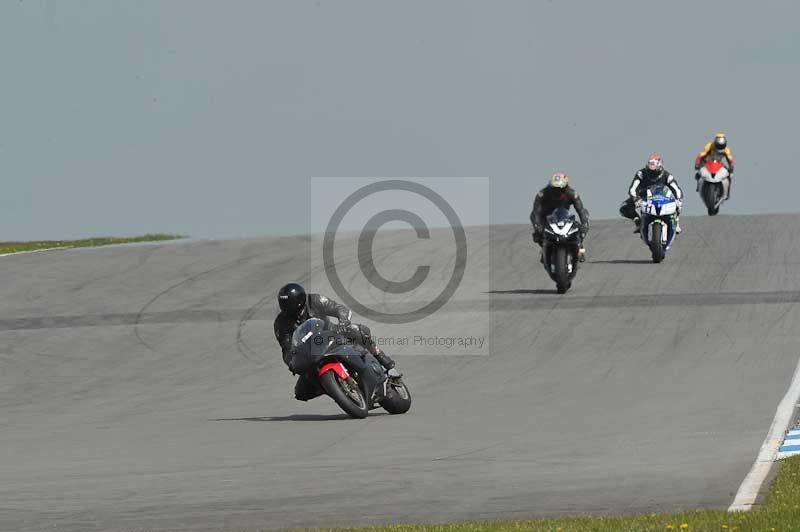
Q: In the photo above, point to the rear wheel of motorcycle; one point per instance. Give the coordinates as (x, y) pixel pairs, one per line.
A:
(712, 193)
(398, 398)
(562, 277)
(656, 247)
(346, 394)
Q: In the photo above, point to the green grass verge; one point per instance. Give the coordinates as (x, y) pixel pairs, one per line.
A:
(780, 512)
(16, 247)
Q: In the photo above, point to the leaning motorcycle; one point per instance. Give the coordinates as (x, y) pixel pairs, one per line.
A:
(713, 185)
(657, 212)
(561, 240)
(348, 374)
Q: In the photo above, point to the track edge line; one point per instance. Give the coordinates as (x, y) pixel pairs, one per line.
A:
(751, 486)
(29, 251)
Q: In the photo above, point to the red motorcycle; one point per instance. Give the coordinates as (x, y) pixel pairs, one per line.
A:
(713, 185)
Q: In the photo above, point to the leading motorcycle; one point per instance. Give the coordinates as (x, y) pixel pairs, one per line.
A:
(713, 185)
(561, 241)
(346, 372)
(657, 211)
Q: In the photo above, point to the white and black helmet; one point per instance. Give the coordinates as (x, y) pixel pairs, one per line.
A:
(655, 163)
(559, 180)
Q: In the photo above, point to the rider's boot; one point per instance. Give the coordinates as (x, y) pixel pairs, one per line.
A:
(678, 225)
(582, 253)
(638, 223)
(386, 361)
(394, 373)
(306, 389)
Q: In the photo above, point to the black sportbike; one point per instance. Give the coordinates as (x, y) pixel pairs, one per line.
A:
(348, 373)
(561, 240)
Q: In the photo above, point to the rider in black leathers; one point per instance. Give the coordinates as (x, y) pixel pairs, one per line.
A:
(652, 174)
(557, 194)
(296, 307)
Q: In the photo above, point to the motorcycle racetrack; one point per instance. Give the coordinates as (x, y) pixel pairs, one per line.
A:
(141, 386)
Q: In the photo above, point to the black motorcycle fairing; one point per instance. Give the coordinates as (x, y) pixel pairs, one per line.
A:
(561, 214)
(561, 217)
(313, 345)
(368, 371)
(309, 344)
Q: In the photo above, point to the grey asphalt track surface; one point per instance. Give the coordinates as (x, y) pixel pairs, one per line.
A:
(141, 387)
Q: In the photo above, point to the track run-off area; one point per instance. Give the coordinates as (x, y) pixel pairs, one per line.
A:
(141, 387)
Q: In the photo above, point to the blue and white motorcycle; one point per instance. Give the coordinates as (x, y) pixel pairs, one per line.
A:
(658, 211)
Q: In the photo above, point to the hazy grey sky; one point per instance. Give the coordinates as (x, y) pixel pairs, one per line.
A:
(204, 117)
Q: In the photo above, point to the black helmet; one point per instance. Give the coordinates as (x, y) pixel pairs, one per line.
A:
(292, 299)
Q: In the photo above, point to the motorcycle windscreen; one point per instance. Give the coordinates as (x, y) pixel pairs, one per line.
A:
(660, 192)
(306, 331)
(308, 344)
(560, 215)
(561, 224)
(660, 201)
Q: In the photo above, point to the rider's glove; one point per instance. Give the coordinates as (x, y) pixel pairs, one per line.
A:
(346, 328)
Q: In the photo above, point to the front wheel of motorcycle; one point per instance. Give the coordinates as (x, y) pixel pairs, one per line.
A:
(561, 275)
(656, 246)
(711, 198)
(398, 398)
(346, 394)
